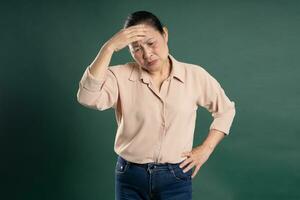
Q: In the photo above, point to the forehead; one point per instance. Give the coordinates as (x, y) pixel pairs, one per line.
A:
(151, 34)
(147, 39)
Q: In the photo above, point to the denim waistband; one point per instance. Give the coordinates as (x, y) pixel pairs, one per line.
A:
(149, 165)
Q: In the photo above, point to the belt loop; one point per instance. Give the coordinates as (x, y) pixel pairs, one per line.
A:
(127, 162)
(170, 167)
(148, 167)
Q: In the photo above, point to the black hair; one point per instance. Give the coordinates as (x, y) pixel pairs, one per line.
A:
(144, 17)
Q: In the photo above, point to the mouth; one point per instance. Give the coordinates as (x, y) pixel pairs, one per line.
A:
(151, 63)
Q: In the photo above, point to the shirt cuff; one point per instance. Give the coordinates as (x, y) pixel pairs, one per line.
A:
(89, 82)
(223, 122)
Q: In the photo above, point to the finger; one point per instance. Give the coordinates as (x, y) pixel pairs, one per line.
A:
(133, 27)
(137, 26)
(129, 34)
(190, 166)
(195, 171)
(185, 154)
(185, 162)
(137, 33)
(135, 38)
(137, 29)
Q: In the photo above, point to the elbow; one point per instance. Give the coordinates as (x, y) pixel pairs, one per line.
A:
(80, 98)
(84, 99)
(89, 101)
(233, 110)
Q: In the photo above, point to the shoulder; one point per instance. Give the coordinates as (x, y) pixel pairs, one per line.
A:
(121, 67)
(200, 76)
(195, 70)
(122, 70)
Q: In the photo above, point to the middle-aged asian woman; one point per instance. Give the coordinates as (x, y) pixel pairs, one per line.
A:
(155, 100)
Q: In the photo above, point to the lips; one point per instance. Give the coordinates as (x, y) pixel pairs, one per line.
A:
(152, 62)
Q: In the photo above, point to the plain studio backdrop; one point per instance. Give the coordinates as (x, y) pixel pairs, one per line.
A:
(52, 148)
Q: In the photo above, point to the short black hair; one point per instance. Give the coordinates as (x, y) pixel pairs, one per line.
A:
(144, 17)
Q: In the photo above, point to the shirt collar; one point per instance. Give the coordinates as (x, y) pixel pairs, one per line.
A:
(177, 71)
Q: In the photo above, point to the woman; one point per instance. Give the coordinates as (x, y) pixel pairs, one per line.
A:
(155, 100)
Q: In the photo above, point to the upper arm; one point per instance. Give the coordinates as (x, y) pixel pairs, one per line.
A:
(212, 96)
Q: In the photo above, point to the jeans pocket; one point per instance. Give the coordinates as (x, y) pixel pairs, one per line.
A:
(121, 166)
(180, 175)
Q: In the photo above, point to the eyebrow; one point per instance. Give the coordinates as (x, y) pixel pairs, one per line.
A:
(135, 45)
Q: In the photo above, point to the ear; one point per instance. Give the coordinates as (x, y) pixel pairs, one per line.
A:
(165, 34)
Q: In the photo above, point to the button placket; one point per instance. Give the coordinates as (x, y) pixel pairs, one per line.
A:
(161, 95)
(164, 116)
(162, 135)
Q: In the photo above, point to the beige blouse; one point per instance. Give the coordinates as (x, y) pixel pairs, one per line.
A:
(156, 126)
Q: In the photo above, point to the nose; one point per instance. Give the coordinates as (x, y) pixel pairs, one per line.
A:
(146, 53)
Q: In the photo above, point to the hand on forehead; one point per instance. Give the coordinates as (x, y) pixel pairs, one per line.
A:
(149, 35)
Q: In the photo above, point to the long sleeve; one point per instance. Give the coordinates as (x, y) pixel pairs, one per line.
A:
(98, 94)
(213, 98)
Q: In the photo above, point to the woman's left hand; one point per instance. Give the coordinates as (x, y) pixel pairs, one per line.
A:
(197, 157)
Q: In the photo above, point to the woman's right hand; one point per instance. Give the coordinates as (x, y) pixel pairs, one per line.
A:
(126, 36)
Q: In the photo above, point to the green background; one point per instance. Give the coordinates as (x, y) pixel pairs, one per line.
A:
(51, 147)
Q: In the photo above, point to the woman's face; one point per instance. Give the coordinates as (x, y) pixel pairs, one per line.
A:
(154, 47)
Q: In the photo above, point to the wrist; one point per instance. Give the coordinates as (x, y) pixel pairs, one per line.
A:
(108, 47)
(208, 147)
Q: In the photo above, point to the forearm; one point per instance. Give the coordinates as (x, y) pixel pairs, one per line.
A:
(101, 62)
(199, 155)
(213, 139)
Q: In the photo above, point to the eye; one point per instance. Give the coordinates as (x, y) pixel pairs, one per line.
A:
(136, 49)
(151, 43)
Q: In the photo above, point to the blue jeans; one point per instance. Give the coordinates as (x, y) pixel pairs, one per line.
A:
(151, 181)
